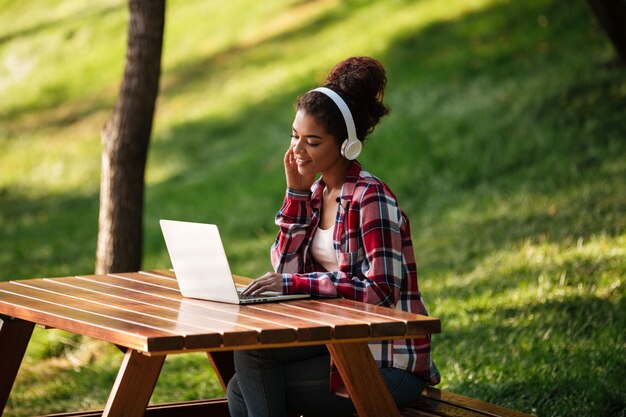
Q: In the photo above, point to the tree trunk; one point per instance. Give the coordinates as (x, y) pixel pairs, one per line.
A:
(125, 140)
(611, 15)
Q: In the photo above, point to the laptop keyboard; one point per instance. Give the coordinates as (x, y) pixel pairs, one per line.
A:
(252, 297)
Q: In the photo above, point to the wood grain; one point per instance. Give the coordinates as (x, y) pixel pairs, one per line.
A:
(363, 380)
(77, 321)
(134, 385)
(471, 404)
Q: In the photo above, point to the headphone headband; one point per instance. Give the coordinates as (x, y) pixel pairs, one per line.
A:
(351, 147)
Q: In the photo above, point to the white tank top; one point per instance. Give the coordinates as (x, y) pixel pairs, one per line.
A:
(322, 249)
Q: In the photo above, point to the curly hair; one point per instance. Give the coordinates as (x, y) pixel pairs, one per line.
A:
(360, 81)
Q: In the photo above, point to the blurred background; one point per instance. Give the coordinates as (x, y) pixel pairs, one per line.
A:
(506, 146)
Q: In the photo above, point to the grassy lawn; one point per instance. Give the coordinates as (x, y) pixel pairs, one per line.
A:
(506, 146)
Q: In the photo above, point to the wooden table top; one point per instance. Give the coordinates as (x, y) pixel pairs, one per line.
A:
(145, 311)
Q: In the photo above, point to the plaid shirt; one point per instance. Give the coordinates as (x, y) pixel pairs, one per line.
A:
(372, 242)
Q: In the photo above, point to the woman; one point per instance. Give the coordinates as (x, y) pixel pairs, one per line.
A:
(343, 235)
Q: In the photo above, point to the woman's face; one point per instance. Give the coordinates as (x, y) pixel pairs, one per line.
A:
(314, 148)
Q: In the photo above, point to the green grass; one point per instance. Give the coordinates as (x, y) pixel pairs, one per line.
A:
(506, 147)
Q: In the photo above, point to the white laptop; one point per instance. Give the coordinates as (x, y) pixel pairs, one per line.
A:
(201, 266)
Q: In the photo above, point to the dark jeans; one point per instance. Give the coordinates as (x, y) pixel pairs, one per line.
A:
(273, 382)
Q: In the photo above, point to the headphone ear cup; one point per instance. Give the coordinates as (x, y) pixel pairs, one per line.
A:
(351, 149)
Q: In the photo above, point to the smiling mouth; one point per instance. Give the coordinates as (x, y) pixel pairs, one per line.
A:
(301, 162)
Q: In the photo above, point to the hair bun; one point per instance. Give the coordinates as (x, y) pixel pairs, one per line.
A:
(362, 79)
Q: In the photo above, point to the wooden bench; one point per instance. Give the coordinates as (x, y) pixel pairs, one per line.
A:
(434, 403)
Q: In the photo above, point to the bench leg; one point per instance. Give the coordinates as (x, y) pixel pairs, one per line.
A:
(134, 385)
(14, 337)
(365, 385)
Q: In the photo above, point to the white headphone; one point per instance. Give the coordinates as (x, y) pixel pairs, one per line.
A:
(351, 147)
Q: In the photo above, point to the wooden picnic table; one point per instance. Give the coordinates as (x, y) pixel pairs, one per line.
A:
(145, 314)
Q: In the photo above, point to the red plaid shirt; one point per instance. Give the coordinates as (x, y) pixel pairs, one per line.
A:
(372, 241)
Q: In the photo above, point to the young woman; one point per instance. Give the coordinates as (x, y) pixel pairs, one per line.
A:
(343, 235)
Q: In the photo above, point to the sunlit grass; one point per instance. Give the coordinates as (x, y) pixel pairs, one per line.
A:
(541, 313)
(505, 146)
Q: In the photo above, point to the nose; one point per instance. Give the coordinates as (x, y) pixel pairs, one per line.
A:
(297, 145)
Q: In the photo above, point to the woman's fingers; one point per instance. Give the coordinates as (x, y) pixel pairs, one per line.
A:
(269, 282)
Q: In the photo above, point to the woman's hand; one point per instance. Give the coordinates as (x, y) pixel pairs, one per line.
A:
(295, 180)
(271, 281)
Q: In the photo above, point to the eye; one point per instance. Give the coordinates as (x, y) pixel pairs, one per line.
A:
(313, 144)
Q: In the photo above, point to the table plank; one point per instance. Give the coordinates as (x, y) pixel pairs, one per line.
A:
(307, 330)
(232, 333)
(148, 278)
(193, 336)
(165, 273)
(379, 326)
(197, 333)
(240, 281)
(80, 322)
(341, 329)
(269, 332)
(416, 324)
(169, 273)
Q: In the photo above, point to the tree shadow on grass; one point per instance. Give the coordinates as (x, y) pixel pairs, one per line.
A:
(211, 156)
(92, 12)
(264, 50)
(496, 95)
(495, 142)
(549, 358)
(56, 104)
(478, 228)
(49, 236)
